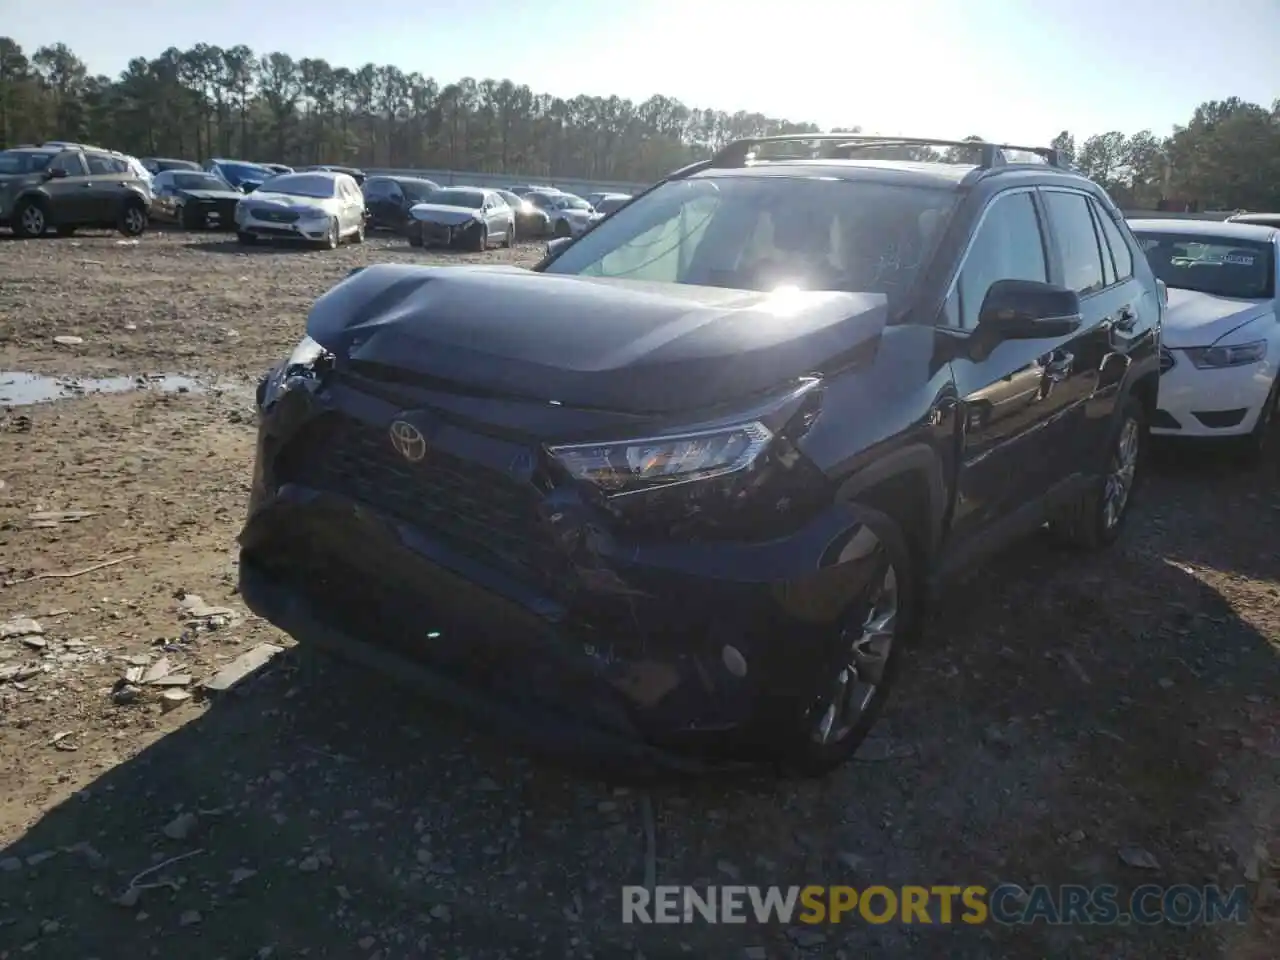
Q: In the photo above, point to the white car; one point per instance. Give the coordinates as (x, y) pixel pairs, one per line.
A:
(462, 216)
(570, 216)
(1221, 333)
(321, 207)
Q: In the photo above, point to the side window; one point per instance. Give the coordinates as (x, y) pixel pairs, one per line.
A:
(1120, 251)
(100, 164)
(378, 189)
(1007, 246)
(1108, 262)
(69, 162)
(1077, 240)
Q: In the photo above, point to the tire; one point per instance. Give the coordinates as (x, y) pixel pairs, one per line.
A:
(823, 738)
(66, 231)
(192, 218)
(246, 239)
(563, 229)
(482, 239)
(358, 236)
(415, 238)
(29, 220)
(1252, 449)
(510, 240)
(133, 219)
(1095, 520)
(333, 237)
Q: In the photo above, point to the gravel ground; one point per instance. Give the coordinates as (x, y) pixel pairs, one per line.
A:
(1106, 719)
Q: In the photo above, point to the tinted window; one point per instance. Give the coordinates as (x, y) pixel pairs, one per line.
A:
(379, 188)
(100, 164)
(304, 185)
(1007, 246)
(768, 232)
(193, 181)
(513, 200)
(1221, 266)
(610, 204)
(1120, 251)
(1077, 241)
(472, 199)
(69, 162)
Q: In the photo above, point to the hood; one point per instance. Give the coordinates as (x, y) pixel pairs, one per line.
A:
(1196, 319)
(621, 345)
(442, 213)
(213, 194)
(286, 201)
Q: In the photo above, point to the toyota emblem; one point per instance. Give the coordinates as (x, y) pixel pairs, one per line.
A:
(408, 441)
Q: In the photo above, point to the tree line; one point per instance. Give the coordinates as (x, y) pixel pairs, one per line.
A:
(210, 101)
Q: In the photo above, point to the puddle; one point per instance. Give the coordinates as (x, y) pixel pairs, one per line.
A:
(22, 389)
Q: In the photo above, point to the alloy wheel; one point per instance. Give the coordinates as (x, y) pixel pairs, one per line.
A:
(134, 220)
(33, 221)
(862, 672)
(1121, 474)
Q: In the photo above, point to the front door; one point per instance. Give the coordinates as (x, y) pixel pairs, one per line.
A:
(70, 200)
(1010, 399)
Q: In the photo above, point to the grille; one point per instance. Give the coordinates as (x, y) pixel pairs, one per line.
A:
(1166, 359)
(275, 216)
(478, 511)
(436, 233)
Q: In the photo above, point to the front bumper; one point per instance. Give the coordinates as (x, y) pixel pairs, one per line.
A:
(310, 229)
(1210, 403)
(581, 649)
(434, 234)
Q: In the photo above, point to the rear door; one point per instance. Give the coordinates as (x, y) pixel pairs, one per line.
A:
(108, 177)
(1007, 401)
(1083, 262)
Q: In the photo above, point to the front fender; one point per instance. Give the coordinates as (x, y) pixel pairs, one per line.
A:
(910, 470)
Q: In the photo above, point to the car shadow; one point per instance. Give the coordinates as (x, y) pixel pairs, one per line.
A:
(1061, 707)
(228, 244)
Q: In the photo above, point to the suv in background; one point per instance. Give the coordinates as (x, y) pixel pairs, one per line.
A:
(67, 186)
(682, 488)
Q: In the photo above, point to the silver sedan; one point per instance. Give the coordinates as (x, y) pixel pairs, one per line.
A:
(321, 207)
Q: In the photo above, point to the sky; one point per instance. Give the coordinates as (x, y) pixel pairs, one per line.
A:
(1013, 70)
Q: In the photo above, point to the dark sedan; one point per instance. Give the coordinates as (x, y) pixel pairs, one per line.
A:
(388, 200)
(196, 201)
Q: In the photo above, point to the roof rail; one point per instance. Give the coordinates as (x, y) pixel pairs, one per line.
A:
(742, 152)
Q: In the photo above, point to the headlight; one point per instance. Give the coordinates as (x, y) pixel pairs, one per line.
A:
(304, 355)
(1210, 357)
(628, 465)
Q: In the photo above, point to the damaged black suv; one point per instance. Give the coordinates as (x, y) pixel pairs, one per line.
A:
(678, 492)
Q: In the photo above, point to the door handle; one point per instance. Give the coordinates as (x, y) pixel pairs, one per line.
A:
(85, 186)
(1124, 320)
(1058, 366)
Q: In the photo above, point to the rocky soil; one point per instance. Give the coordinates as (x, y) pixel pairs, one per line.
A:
(1108, 719)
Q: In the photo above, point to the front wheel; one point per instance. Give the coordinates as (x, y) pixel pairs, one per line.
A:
(482, 239)
(1253, 447)
(509, 240)
(563, 229)
(856, 673)
(29, 220)
(333, 237)
(1096, 518)
(133, 220)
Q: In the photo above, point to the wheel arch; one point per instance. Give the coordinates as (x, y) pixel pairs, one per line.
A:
(907, 485)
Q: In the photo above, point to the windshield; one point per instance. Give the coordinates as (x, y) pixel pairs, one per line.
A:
(610, 204)
(417, 192)
(542, 201)
(23, 161)
(197, 181)
(472, 199)
(238, 173)
(303, 185)
(763, 233)
(513, 200)
(1221, 266)
(572, 203)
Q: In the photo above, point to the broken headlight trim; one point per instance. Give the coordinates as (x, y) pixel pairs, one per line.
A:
(630, 466)
(1237, 355)
(304, 358)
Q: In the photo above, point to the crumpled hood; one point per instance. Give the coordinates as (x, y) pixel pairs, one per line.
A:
(622, 345)
(287, 201)
(1196, 319)
(212, 194)
(440, 213)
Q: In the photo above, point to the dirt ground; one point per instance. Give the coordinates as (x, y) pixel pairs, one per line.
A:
(1100, 719)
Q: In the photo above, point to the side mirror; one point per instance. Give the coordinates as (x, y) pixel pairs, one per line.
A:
(1026, 310)
(556, 247)
(57, 173)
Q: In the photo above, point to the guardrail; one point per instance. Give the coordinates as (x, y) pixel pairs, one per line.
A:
(450, 178)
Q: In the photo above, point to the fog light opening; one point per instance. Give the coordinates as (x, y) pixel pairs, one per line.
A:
(734, 661)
